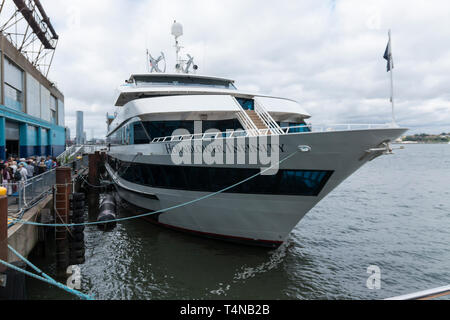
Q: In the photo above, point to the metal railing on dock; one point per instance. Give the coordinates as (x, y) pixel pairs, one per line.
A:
(24, 194)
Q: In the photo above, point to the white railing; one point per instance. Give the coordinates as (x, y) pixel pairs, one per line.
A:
(66, 153)
(87, 149)
(302, 129)
(425, 295)
(267, 119)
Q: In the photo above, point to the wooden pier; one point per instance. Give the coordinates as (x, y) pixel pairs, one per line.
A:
(52, 207)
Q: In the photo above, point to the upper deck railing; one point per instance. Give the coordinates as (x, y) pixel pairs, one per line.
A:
(302, 129)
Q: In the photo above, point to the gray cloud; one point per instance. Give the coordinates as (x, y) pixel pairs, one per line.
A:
(327, 55)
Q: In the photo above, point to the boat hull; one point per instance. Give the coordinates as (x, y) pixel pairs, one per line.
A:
(259, 219)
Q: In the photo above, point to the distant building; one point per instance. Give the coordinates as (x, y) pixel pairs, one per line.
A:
(79, 139)
(68, 136)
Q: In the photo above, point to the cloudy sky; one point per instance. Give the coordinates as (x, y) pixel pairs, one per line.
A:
(325, 54)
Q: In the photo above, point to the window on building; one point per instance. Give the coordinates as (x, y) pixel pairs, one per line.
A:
(53, 116)
(13, 98)
(13, 86)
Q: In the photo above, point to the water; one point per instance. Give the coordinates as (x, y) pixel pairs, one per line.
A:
(393, 213)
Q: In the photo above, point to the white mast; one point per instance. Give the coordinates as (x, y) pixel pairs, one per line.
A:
(177, 31)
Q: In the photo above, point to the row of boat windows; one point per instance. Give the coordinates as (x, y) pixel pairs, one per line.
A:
(143, 132)
(211, 179)
(183, 81)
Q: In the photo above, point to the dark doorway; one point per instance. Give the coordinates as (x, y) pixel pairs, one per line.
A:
(12, 149)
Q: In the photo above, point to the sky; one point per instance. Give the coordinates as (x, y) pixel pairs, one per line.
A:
(327, 55)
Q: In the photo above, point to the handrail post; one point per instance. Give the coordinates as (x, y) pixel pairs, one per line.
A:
(3, 231)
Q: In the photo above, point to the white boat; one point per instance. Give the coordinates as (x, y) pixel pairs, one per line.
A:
(288, 165)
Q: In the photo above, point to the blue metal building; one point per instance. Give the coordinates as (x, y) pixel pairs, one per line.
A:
(31, 108)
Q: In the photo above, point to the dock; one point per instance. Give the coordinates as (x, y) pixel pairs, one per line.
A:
(46, 199)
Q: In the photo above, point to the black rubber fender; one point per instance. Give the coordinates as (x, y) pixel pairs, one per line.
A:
(78, 213)
(78, 196)
(77, 245)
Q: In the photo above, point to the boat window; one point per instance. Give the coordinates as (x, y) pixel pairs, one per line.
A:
(212, 179)
(246, 104)
(158, 129)
(300, 126)
(183, 81)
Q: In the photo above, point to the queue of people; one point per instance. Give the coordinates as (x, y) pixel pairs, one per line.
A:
(14, 171)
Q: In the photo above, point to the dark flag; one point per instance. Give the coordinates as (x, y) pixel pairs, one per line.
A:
(388, 57)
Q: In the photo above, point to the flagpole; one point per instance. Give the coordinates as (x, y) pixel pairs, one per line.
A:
(394, 123)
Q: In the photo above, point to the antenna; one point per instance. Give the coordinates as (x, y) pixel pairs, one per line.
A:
(177, 31)
(181, 65)
(154, 63)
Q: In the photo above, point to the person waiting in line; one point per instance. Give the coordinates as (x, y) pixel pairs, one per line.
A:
(13, 165)
(30, 169)
(2, 169)
(42, 168)
(49, 163)
(21, 174)
(21, 177)
(8, 179)
(23, 162)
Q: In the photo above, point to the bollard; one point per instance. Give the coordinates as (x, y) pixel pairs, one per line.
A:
(102, 159)
(3, 230)
(62, 206)
(94, 160)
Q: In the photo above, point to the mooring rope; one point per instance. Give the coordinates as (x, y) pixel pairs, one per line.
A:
(110, 183)
(94, 186)
(47, 279)
(161, 210)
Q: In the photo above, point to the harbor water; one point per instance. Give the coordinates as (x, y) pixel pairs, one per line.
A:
(394, 213)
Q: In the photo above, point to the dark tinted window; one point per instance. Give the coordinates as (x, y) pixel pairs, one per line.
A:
(183, 81)
(246, 104)
(211, 179)
(158, 129)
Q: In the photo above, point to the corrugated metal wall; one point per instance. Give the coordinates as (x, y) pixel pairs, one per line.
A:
(39, 102)
(33, 97)
(13, 75)
(12, 130)
(45, 104)
(61, 113)
(14, 84)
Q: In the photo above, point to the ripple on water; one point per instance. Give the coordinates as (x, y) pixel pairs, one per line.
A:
(393, 213)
